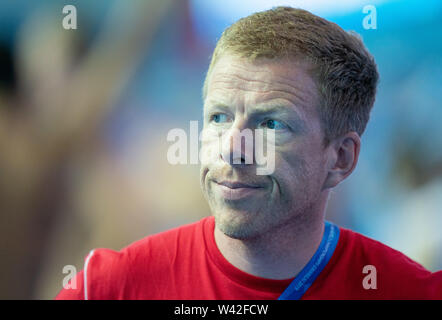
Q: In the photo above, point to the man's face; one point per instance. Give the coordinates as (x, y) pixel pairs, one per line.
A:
(267, 95)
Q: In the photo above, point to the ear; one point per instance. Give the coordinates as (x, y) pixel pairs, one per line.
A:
(342, 157)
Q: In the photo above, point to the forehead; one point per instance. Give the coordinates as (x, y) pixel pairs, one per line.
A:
(235, 80)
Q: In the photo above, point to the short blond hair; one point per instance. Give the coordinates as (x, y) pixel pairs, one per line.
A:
(344, 71)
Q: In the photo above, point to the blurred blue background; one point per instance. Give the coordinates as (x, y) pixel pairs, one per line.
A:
(84, 116)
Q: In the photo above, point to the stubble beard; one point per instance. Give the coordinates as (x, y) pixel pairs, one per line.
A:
(260, 222)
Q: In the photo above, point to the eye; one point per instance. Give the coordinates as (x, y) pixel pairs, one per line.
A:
(273, 124)
(219, 118)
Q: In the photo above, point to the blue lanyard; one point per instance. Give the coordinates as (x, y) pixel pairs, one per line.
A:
(317, 263)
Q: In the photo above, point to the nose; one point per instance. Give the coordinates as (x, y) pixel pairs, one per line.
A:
(238, 146)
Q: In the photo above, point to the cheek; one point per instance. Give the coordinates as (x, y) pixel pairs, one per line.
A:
(290, 168)
(203, 173)
(296, 170)
(210, 148)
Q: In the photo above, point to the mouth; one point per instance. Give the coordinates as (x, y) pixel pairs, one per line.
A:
(236, 190)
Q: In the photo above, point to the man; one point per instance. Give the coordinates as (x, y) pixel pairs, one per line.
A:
(312, 85)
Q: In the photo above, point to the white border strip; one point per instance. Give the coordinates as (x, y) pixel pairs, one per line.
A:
(85, 273)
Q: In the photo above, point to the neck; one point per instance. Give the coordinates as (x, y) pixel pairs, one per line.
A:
(278, 254)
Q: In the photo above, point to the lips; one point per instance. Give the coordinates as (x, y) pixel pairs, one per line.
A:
(235, 190)
(236, 185)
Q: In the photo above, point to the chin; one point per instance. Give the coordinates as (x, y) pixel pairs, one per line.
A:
(239, 225)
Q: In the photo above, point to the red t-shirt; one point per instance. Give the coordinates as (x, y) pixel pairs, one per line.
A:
(185, 263)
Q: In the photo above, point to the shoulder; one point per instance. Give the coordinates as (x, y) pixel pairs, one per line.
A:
(366, 249)
(110, 274)
(164, 245)
(397, 275)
